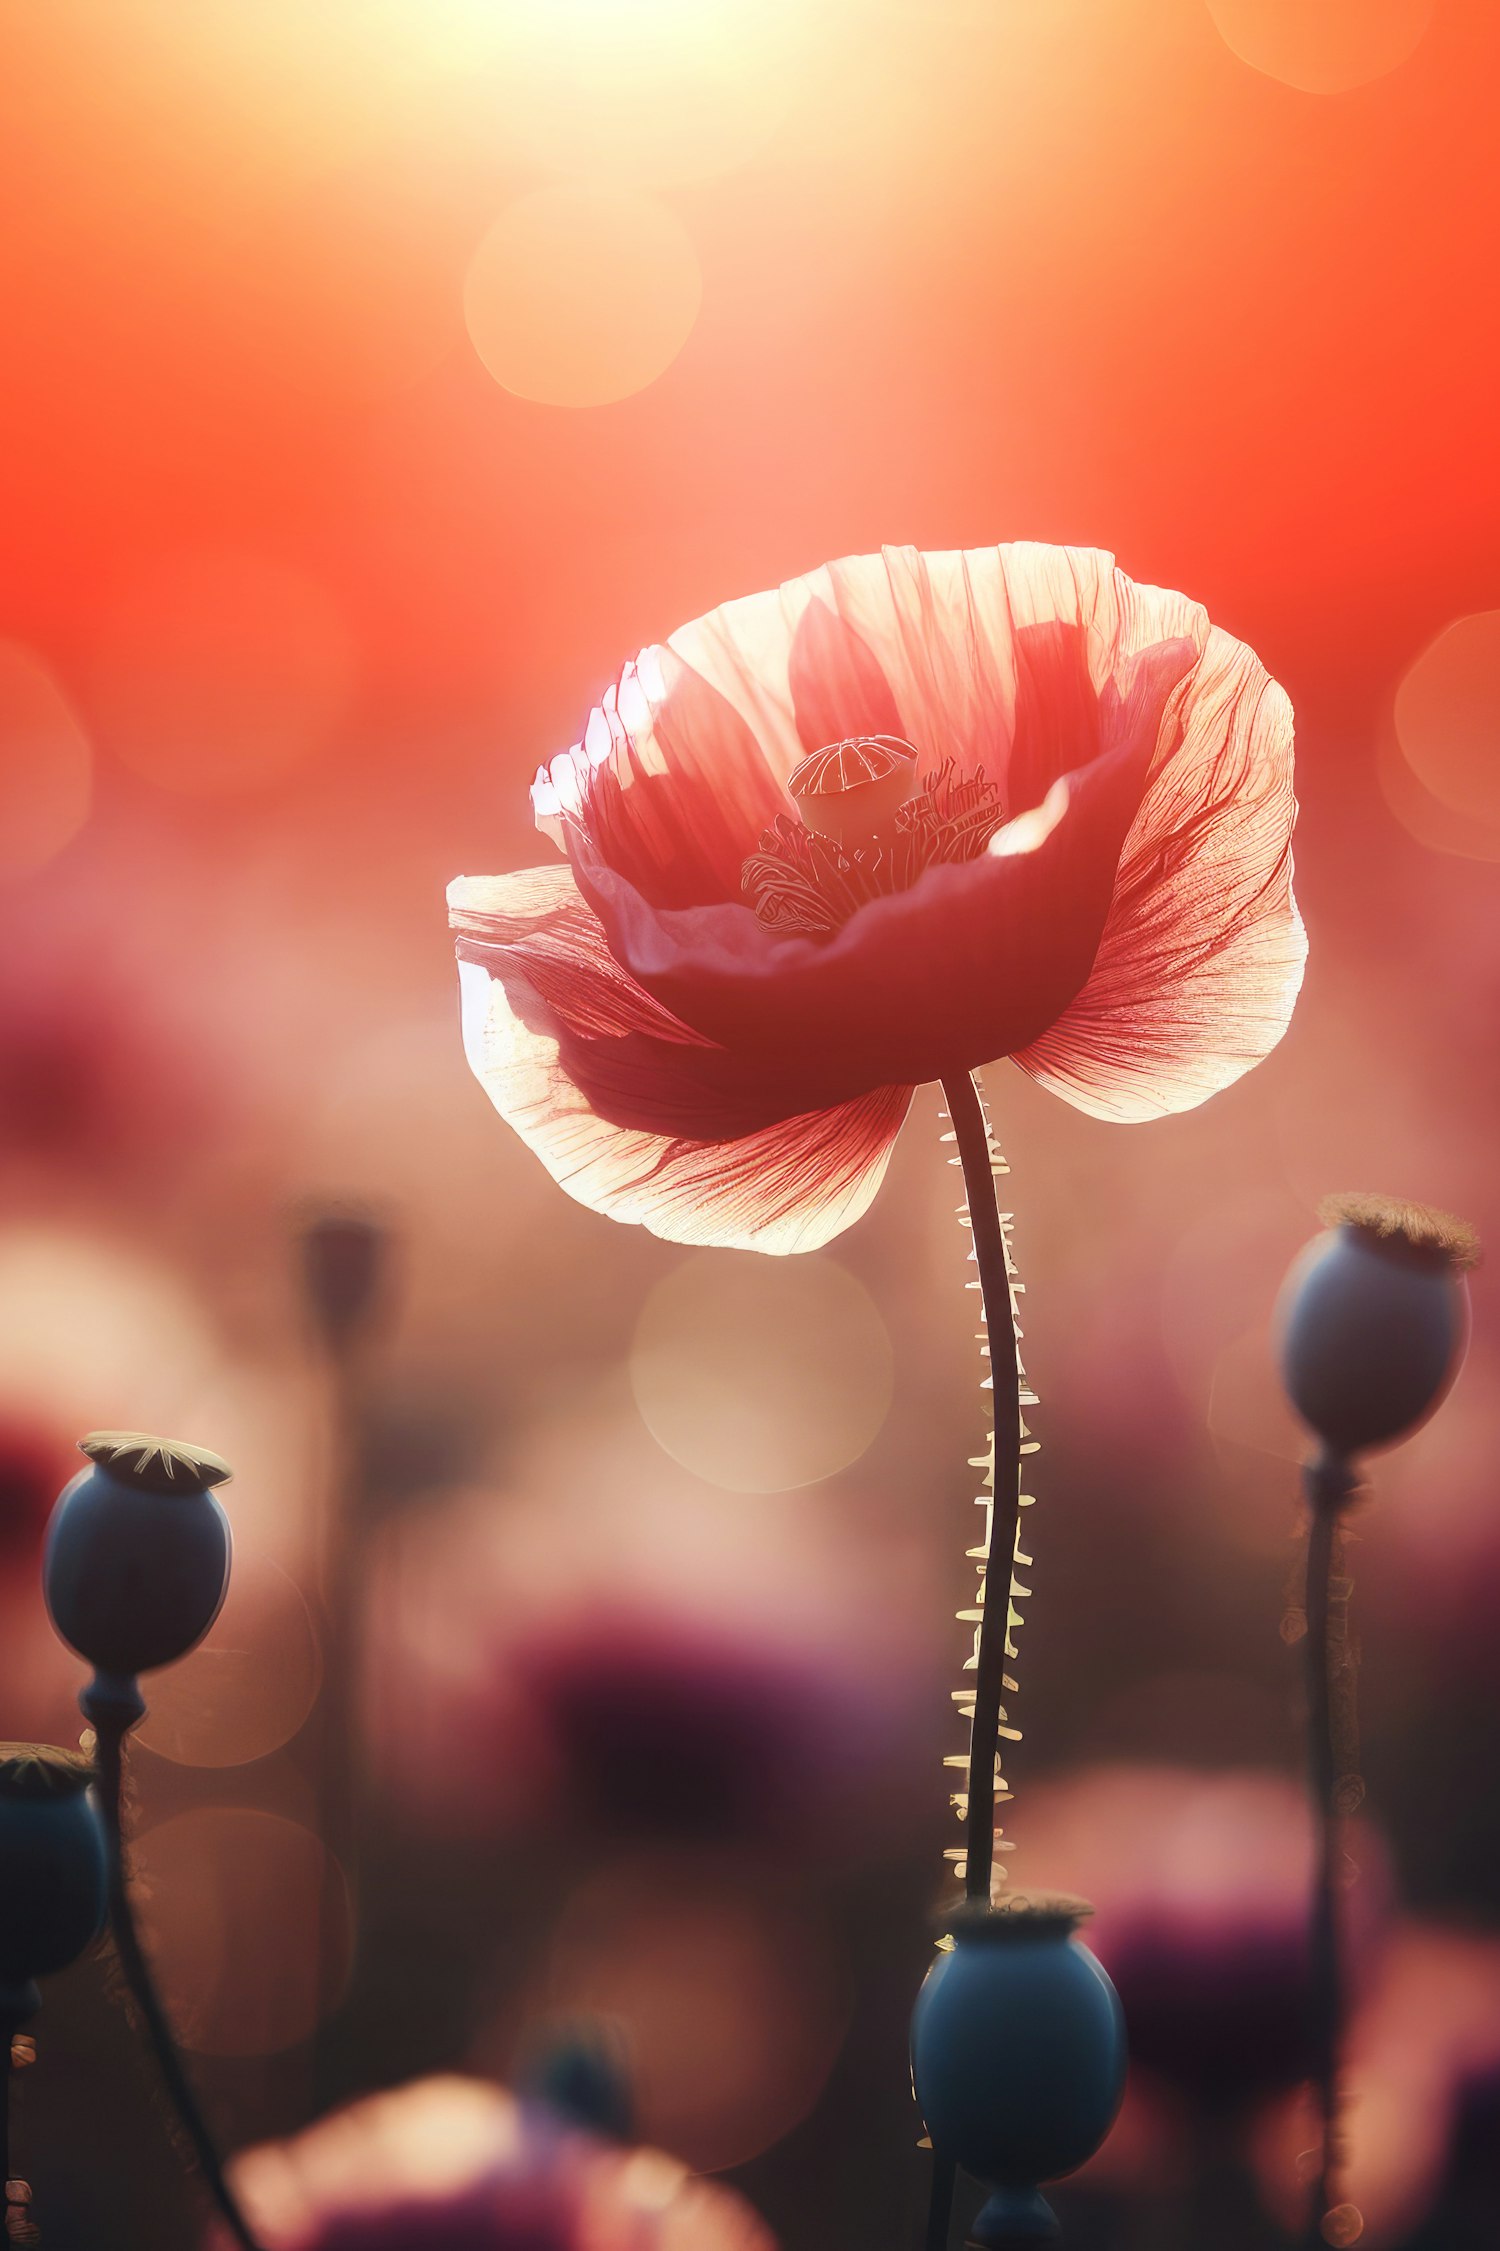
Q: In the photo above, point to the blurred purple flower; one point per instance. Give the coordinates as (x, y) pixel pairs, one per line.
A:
(457, 2165)
(97, 1078)
(1200, 1881)
(1421, 2074)
(660, 1725)
(651, 1698)
(1218, 2008)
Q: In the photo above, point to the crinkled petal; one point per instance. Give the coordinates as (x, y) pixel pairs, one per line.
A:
(669, 780)
(970, 963)
(944, 633)
(838, 688)
(1133, 940)
(992, 657)
(630, 1111)
(1202, 956)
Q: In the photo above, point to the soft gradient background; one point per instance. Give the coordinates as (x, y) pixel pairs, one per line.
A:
(376, 376)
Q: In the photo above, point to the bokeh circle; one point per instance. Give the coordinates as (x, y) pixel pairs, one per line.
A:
(732, 2001)
(249, 1685)
(1448, 717)
(247, 1921)
(761, 1374)
(1323, 46)
(581, 294)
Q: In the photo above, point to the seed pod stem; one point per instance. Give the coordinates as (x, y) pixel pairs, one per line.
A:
(1326, 1968)
(112, 1708)
(18, 2004)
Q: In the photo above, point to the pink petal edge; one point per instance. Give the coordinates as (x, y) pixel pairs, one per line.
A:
(790, 1185)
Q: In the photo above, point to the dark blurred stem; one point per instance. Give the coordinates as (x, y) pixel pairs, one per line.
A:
(111, 1721)
(18, 2005)
(1328, 1481)
(940, 2203)
(339, 1755)
(966, 1111)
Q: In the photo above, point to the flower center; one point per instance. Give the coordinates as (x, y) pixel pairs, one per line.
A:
(866, 830)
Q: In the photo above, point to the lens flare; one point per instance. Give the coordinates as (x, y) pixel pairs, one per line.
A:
(249, 1685)
(581, 294)
(761, 1374)
(235, 1905)
(1323, 46)
(1447, 718)
(733, 2004)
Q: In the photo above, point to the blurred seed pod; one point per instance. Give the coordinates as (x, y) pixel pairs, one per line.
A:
(579, 2069)
(1374, 1320)
(345, 1257)
(137, 1557)
(53, 1862)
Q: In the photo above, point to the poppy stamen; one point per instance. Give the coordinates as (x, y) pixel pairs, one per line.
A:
(866, 830)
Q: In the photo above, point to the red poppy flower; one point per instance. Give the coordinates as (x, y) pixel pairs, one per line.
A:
(893, 821)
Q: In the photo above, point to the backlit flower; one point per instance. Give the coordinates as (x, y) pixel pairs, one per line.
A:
(458, 2165)
(892, 821)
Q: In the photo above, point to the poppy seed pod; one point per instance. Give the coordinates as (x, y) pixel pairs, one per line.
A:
(1374, 1320)
(53, 1863)
(137, 1557)
(345, 1259)
(579, 2070)
(850, 790)
(1018, 2058)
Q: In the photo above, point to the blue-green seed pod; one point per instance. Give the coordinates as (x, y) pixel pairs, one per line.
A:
(53, 1862)
(137, 1558)
(1018, 2057)
(579, 2069)
(1374, 1321)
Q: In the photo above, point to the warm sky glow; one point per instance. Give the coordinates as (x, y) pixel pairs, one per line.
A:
(46, 766)
(223, 670)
